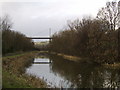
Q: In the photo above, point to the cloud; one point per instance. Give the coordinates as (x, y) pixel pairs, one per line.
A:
(34, 18)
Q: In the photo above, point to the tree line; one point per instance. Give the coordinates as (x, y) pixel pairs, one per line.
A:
(97, 38)
(13, 41)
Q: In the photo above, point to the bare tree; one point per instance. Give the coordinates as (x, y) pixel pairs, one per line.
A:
(77, 24)
(73, 25)
(5, 23)
(110, 13)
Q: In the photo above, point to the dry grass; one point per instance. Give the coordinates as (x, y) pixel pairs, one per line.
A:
(14, 70)
(69, 57)
(72, 58)
(112, 66)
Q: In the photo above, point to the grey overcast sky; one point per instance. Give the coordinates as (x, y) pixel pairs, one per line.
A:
(35, 17)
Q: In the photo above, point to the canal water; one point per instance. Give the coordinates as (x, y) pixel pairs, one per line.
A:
(59, 72)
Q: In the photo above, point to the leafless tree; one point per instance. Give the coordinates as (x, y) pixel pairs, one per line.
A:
(73, 25)
(110, 13)
(5, 23)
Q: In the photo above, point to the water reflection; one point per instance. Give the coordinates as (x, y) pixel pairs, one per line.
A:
(65, 73)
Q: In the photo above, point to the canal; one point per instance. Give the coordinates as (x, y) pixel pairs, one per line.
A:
(59, 72)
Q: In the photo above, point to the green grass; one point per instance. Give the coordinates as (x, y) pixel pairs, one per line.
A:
(13, 81)
(13, 75)
(21, 81)
(12, 55)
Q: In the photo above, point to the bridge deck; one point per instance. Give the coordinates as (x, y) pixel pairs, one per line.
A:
(39, 37)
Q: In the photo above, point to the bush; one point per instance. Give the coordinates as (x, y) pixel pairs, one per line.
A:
(14, 41)
(88, 38)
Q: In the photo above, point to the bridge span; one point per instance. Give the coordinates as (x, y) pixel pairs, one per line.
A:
(39, 38)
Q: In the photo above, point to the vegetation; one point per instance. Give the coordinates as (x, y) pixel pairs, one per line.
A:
(13, 41)
(14, 72)
(42, 46)
(15, 61)
(98, 39)
(110, 13)
(92, 38)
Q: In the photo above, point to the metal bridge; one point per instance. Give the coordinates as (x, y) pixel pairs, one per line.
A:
(39, 38)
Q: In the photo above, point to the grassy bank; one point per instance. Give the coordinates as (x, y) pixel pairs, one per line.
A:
(67, 57)
(14, 72)
(71, 57)
(77, 59)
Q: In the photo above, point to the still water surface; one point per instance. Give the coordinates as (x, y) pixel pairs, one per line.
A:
(58, 72)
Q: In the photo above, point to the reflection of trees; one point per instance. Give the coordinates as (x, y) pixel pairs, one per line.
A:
(112, 78)
(85, 75)
(42, 55)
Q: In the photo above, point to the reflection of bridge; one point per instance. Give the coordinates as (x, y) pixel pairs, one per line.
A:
(42, 62)
(39, 38)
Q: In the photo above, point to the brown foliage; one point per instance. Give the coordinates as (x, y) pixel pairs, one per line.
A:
(91, 39)
(13, 41)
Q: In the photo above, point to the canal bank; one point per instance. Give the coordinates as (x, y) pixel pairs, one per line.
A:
(69, 57)
(86, 60)
(13, 72)
(24, 71)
